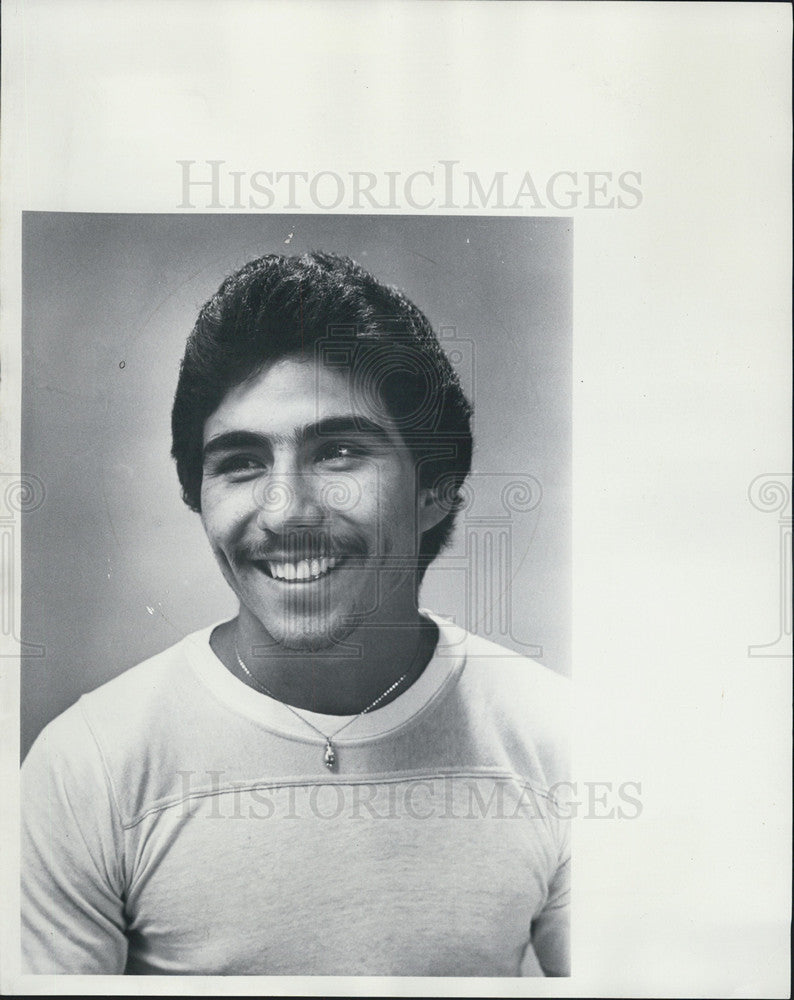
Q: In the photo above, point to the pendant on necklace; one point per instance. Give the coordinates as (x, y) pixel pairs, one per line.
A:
(330, 757)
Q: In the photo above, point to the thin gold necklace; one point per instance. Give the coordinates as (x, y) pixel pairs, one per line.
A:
(329, 757)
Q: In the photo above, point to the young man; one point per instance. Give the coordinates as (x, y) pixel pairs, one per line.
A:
(335, 782)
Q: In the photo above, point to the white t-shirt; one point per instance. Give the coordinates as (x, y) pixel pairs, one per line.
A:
(175, 821)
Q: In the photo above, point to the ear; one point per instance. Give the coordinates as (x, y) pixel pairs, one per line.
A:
(430, 511)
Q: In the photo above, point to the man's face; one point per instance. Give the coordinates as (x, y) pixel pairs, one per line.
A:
(310, 505)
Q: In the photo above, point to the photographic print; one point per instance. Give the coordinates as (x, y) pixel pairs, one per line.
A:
(395, 511)
(306, 751)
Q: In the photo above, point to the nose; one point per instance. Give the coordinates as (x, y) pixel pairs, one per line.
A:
(288, 501)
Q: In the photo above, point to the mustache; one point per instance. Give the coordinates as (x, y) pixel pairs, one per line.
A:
(294, 545)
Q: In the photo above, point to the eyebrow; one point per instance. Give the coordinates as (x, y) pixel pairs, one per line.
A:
(329, 427)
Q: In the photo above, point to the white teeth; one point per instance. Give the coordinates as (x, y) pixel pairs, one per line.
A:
(305, 569)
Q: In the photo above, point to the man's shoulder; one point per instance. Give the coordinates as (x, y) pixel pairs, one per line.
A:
(518, 687)
(486, 653)
(122, 713)
(153, 680)
(512, 701)
(133, 729)
(502, 673)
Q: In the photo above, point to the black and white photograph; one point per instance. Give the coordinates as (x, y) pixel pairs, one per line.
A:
(395, 498)
(364, 763)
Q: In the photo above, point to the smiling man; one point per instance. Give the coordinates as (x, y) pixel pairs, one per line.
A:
(334, 782)
(312, 511)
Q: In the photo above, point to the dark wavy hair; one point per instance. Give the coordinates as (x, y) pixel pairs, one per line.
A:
(328, 307)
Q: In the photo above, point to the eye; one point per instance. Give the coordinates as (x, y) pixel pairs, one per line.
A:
(241, 465)
(340, 451)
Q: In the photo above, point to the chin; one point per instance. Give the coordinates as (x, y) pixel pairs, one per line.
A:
(313, 636)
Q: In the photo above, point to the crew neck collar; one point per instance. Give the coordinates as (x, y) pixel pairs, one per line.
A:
(445, 663)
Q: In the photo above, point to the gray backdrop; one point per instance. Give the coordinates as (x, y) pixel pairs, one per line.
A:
(116, 568)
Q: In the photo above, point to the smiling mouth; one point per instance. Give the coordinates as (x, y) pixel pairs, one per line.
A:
(302, 571)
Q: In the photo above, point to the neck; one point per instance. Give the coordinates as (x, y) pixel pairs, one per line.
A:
(342, 680)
